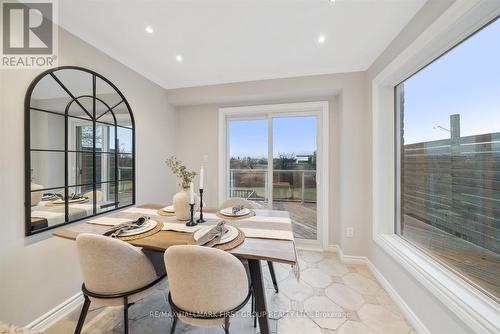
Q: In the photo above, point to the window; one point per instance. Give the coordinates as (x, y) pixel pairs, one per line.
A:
(448, 187)
(79, 148)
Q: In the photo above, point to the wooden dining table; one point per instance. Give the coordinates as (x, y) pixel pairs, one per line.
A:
(254, 250)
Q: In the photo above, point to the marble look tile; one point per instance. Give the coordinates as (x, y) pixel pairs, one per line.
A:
(363, 270)
(344, 296)
(297, 325)
(385, 300)
(382, 320)
(372, 299)
(324, 312)
(351, 268)
(277, 304)
(296, 290)
(361, 284)
(332, 267)
(282, 271)
(355, 327)
(310, 256)
(316, 278)
(337, 279)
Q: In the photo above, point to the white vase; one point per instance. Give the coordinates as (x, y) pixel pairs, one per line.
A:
(181, 205)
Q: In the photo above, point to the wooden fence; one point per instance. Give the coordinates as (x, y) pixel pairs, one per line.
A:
(454, 185)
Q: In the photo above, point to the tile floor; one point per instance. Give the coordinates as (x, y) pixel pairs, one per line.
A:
(330, 297)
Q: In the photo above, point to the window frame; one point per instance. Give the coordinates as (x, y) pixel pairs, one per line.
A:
(71, 121)
(475, 310)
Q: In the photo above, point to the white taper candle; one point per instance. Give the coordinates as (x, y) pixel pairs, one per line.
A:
(201, 177)
(191, 193)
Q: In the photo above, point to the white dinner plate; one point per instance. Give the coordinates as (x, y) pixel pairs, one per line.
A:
(231, 234)
(229, 212)
(148, 226)
(169, 209)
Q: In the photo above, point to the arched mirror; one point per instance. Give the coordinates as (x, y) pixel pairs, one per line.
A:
(79, 148)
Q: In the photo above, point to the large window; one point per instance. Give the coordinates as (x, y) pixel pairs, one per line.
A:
(448, 198)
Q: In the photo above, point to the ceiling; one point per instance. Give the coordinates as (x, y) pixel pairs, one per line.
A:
(223, 41)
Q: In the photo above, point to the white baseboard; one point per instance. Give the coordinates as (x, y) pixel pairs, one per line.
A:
(46, 320)
(405, 309)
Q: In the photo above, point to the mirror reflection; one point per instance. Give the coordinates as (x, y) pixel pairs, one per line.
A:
(81, 149)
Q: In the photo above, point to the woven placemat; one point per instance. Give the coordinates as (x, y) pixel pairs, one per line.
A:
(233, 243)
(165, 213)
(220, 215)
(158, 227)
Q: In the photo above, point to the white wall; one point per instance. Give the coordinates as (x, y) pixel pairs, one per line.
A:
(349, 146)
(39, 272)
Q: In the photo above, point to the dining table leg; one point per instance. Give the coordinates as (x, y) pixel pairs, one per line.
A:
(260, 295)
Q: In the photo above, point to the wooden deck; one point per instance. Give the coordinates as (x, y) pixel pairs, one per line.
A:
(304, 218)
(479, 266)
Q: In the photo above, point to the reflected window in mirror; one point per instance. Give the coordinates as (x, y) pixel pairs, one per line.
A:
(80, 152)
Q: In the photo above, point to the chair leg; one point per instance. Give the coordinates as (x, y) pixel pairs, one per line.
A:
(174, 324)
(254, 316)
(226, 325)
(83, 315)
(125, 314)
(273, 276)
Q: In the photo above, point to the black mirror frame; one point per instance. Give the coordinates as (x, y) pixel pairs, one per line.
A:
(27, 145)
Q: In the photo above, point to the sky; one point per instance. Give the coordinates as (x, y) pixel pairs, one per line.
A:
(249, 138)
(464, 81)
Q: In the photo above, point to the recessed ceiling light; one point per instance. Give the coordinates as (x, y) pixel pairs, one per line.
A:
(149, 29)
(321, 39)
(178, 58)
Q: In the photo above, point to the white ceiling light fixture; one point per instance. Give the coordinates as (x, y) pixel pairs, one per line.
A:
(321, 39)
(149, 29)
(178, 58)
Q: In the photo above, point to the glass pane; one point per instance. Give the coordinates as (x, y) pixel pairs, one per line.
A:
(81, 169)
(44, 213)
(105, 167)
(78, 82)
(106, 196)
(101, 109)
(80, 135)
(248, 147)
(125, 171)
(450, 158)
(107, 93)
(80, 107)
(47, 169)
(124, 140)
(49, 95)
(83, 206)
(123, 115)
(294, 174)
(125, 193)
(46, 131)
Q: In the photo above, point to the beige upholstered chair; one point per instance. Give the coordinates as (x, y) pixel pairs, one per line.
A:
(114, 273)
(207, 285)
(234, 201)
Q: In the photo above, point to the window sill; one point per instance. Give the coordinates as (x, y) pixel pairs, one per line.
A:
(480, 312)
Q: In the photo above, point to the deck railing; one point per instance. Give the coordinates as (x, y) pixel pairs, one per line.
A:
(288, 185)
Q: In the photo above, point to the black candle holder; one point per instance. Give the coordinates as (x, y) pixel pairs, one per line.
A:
(191, 222)
(201, 220)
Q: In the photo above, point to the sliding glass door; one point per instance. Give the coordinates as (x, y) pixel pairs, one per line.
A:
(272, 162)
